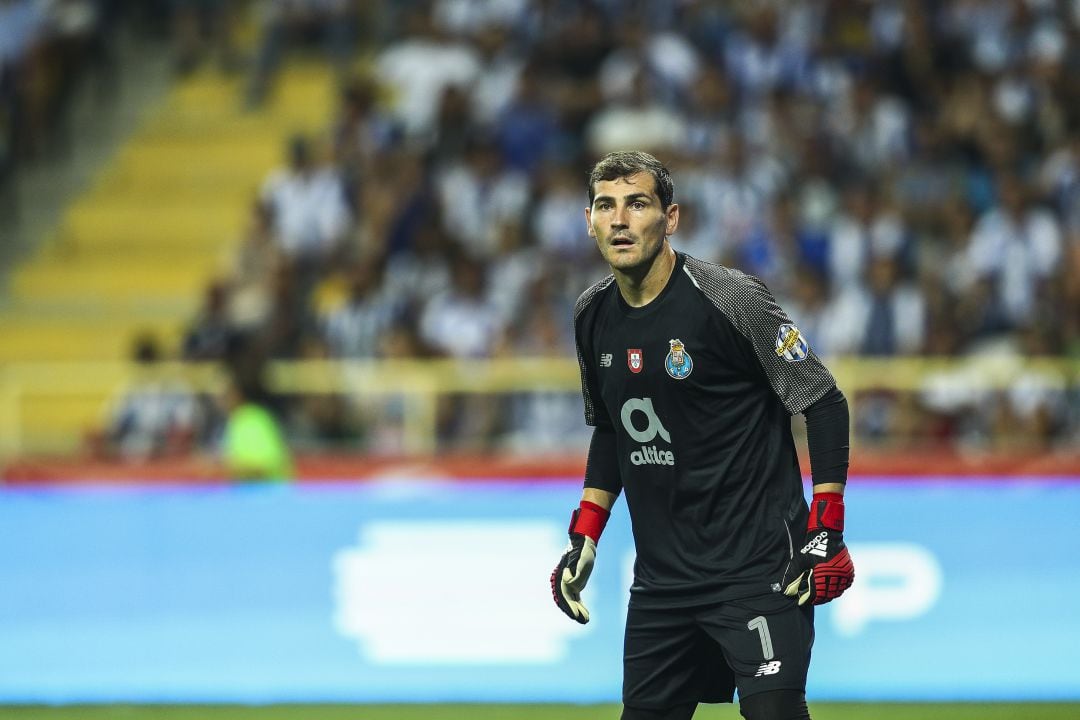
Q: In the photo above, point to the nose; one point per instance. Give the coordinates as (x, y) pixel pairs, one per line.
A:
(619, 218)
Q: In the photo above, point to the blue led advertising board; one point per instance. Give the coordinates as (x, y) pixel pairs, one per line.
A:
(413, 592)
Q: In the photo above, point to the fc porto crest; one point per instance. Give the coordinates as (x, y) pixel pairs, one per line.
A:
(635, 360)
(678, 362)
(790, 344)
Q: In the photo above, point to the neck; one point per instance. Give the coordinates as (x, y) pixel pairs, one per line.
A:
(640, 286)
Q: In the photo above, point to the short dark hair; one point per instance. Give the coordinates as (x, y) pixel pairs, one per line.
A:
(625, 163)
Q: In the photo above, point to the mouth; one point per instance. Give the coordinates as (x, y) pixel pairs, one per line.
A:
(621, 241)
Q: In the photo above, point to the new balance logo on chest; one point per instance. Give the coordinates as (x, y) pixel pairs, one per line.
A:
(605, 359)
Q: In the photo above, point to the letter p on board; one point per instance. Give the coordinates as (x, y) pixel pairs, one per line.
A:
(893, 582)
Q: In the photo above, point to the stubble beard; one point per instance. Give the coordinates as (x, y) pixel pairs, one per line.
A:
(638, 264)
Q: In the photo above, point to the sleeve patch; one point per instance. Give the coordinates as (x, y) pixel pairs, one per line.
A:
(790, 344)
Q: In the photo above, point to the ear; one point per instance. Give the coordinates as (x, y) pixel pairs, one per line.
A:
(588, 222)
(672, 219)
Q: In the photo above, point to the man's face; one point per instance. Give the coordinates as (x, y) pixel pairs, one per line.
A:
(627, 221)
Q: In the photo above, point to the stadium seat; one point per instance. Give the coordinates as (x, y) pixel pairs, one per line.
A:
(136, 249)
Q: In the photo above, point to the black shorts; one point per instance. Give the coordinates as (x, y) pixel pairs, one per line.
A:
(702, 654)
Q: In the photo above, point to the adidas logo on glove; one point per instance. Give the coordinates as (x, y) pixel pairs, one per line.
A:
(819, 545)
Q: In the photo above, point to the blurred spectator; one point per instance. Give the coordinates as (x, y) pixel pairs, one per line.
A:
(322, 419)
(382, 417)
(465, 325)
(252, 269)
(864, 231)
(527, 127)
(711, 114)
(1059, 181)
(331, 23)
(419, 67)
(453, 127)
(200, 27)
(875, 127)
(288, 324)
(253, 446)
(47, 49)
(422, 272)
(758, 54)
(478, 196)
(155, 416)
(1035, 405)
(666, 59)
(1015, 248)
(731, 195)
(463, 322)
(77, 40)
(212, 335)
(496, 84)
(559, 215)
(354, 329)
(307, 200)
(885, 318)
(776, 246)
(516, 265)
(468, 17)
(541, 421)
(361, 131)
(22, 30)
(638, 120)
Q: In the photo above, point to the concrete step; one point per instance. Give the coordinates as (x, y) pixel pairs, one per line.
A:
(76, 338)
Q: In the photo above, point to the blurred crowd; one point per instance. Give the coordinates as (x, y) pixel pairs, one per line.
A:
(903, 174)
(47, 49)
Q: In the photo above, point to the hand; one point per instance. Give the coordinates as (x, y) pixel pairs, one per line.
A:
(823, 568)
(575, 566)
(570, 575)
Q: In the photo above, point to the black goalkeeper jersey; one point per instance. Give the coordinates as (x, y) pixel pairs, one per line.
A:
(698, 387)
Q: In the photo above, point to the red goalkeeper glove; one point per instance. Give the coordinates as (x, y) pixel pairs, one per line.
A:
(823, 565)
(575, 566)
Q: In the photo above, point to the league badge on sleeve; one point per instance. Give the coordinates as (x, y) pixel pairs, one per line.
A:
(678, 362)
(790, 344)
(635, 360)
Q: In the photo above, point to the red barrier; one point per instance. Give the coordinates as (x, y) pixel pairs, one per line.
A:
(354, 468)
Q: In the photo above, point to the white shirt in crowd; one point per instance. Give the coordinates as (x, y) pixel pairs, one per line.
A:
(460, 326)
(1019, 252)
(419, 70)
(310, 214)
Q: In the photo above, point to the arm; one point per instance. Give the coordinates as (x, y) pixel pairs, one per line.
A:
(602, 498)
(587, 522)
(821, 569)
(823, 565)
(827, 433)
(602, 481)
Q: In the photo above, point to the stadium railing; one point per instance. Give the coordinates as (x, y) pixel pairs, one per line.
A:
(47, 407)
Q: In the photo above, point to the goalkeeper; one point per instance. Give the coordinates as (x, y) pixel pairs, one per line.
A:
(690, 373)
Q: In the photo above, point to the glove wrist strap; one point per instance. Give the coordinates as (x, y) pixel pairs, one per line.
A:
(826, 511)
(589, 520)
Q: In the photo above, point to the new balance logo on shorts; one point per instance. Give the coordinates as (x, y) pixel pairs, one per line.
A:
(818, 546)
(769, 668)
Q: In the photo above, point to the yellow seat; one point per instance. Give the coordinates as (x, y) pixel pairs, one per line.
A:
(136, 250)
(96, 338)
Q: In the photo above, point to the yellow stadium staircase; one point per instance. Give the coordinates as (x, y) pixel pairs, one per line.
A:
(137, 249)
